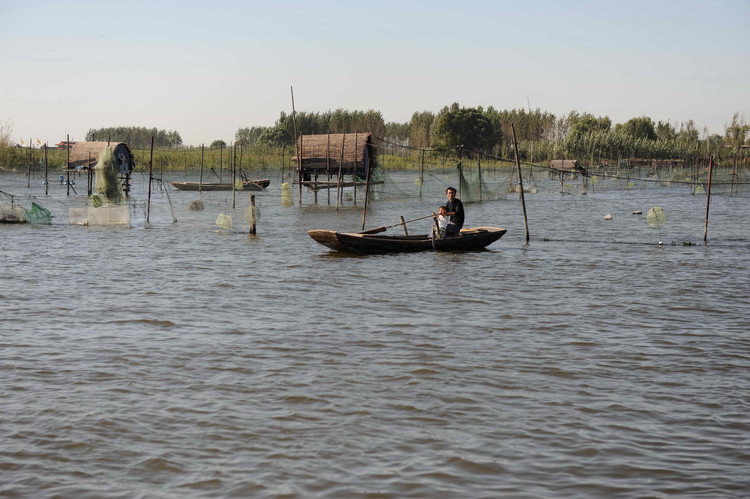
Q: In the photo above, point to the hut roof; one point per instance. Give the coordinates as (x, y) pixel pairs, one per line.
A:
(84, 152)
(356, 147)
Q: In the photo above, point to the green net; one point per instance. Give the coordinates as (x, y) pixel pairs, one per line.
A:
(38, 215)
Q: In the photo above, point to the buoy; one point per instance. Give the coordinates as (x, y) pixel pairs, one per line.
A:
(637, 212)
(608, 217)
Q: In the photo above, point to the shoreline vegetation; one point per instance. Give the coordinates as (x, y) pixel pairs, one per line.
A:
(454, 135)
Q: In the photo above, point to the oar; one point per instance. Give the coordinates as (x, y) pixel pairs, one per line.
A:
(378, 230)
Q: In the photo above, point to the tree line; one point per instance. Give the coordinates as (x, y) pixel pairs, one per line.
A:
(540, 135)
(135, 137)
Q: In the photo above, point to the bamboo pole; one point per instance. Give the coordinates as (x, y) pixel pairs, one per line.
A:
(150, 176)
(67, 166)
(367, 191)
(479, 172)
(233, 168)
(708, 198)
(46, 180)
(328, 165)
(200, 178)
(298, 146)
(520, 182)
(28, 174)
(341, 163)
(252, 209)
(403, 222)
(221, 160)
(421, 176)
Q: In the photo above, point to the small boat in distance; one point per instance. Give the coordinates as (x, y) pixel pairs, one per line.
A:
(247, 185)
(470, 239)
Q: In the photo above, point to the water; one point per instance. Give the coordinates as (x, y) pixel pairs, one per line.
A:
(183, 361)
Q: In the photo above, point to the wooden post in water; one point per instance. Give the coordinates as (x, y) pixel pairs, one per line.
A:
(403, 224)
(221, 161)
(233, 169)
(252, 209)
(328, 165)
(28, 174)
(150, 176)
(479, 174)
(200, 178)
(520, 182)
(367, 192)
(298, 146)
(421, 176)
(67, 166)
(341, 164)
(708, 198)
(89, 183)
(46, 180)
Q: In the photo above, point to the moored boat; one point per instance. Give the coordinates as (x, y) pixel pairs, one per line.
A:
(248, 185)
(470, 239)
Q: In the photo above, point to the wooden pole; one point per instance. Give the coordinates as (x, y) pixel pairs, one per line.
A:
(150, 176)
(28, 174)
(367, 191)
(479, 172)
(328, 165)
(252, 208)
(403, 222)
(341, 163)
(67, 166)
(354, 171)
(520, 182)
(200, 179)
(298, 146)
(421, 176)
(88, 174)
(46, 180)
(708, 198)
(221, 161)
(233, 169)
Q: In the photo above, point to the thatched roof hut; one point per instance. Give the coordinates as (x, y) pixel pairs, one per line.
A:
(86, 154)
(353, 152)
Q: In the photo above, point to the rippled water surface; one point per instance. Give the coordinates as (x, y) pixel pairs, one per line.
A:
(187, 361)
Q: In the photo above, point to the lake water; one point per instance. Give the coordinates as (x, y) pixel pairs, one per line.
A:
(189, 361)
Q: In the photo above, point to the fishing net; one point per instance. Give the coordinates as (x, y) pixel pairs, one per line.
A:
(107, 180)
(101, 215)
(286, 194)
(38, 215)
(656, 218)
(479, 186)
(224, 221)
(12, 212)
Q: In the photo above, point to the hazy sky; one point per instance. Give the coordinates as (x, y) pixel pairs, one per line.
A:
(207, 68)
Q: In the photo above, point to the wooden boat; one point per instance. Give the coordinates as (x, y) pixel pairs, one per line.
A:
(470, 239)
(248, 185)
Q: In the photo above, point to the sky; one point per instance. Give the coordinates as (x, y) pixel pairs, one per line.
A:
(206, 69)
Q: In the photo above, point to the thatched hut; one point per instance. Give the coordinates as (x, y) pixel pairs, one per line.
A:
(85, 154)
(348, 153)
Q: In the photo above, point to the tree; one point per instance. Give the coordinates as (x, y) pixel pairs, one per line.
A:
(135, 137)
(588, 124)
(665, 131)
(420, 127)
(638, 128)
(248, 137)
(217, 144)
(469, 128)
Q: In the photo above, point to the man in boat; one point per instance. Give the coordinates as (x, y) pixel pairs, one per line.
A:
(455, 210)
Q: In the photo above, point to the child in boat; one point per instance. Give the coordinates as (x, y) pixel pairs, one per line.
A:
(442, 220)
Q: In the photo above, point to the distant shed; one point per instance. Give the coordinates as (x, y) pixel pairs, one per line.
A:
(85, 154)
(349, 153)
